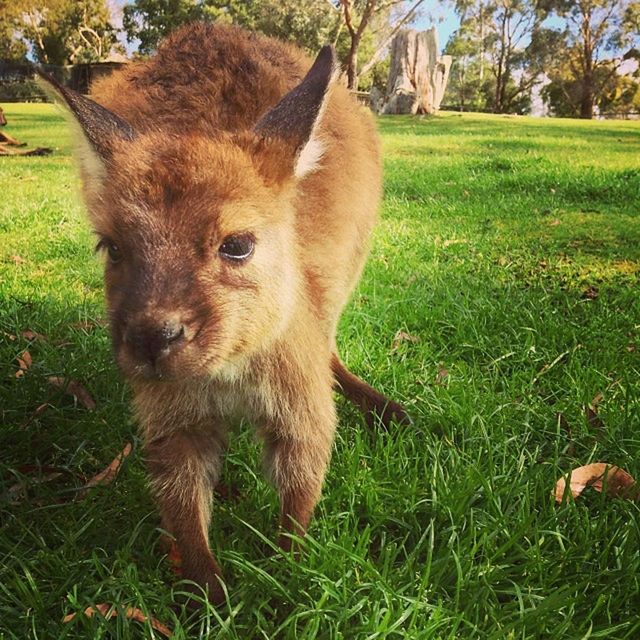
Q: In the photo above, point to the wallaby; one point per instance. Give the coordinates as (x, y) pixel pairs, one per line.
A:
(234, 197)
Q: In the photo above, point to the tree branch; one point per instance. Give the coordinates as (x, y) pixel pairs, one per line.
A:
(382, 48)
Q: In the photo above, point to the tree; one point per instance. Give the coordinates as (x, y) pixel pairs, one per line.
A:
(598, 33)
(150, 20)
(515, 22)
(309, 23)
(496, 34)
(358, 17)
(467, 69)
(617, 93)
(12, 48)
(69, 31)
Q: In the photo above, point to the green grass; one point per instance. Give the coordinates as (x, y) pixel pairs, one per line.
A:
(510, 248)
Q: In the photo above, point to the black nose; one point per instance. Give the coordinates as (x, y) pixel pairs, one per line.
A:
(150, 342)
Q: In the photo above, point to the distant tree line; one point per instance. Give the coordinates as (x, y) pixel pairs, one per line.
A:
(502, 49)
(575, 49)
(66, 32)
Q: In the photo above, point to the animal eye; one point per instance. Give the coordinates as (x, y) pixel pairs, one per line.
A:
(112, 249)
(237, 248)
(115, 255)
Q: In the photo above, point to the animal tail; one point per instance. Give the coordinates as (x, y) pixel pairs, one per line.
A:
(373, 404)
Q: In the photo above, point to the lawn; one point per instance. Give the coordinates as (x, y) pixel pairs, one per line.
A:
(499, 302)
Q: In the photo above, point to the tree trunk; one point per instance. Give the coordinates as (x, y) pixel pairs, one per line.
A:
(500, 76)
(352, 64)
(586, 102)
(587, 98)
(417, 75)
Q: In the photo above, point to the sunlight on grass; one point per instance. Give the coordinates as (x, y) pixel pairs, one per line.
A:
(509, 250)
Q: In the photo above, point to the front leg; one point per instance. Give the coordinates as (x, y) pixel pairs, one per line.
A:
(296, 457)
(184, 469)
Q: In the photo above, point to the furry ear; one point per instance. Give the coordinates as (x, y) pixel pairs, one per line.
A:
(294, 119)
(100, 128)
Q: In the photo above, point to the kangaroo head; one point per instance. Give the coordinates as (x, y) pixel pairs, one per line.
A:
(201, 251)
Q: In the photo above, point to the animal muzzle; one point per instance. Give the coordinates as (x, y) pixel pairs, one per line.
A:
(153, 340)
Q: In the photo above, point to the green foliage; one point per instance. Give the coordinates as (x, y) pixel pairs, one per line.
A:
(65, 32)
(510, 247)
(310, 23)
(11, 48)
(597, 32)
(496, 55)
(631, 19)
(149, 20)
(509, 39)
(617, 94)
(21, 91)
(376, 77)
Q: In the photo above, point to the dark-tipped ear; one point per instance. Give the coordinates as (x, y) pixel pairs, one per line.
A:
(293, 120)
(101, 129)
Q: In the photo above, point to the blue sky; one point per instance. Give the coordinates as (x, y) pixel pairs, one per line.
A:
(444, 19)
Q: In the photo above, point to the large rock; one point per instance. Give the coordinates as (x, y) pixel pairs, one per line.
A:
(417, 74)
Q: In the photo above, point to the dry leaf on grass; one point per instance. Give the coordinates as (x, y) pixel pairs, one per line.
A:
(400, 337)
(33, 474)
(594, 421)
(24, 362)
(591, 293)
(33, 335)
(442, 375)
(74, 388)
(16, 259)
(618, 482)
(109, 611)
(35, 413)
(108, 474)
(89, 325)
(17, 492)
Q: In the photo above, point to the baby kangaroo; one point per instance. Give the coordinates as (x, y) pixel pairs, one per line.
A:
(234, 197)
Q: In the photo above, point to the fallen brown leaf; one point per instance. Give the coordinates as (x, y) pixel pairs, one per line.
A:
(590, 293)
(17, 492)
(74, 388)
(554, 223)
(442, 375)
(89, 325)
(400, 337)
(36, 412)
(16, 259)
(33, 335)
(594, 421)
(108, 611)
(109, 473)
(618, 482)
(24, 362)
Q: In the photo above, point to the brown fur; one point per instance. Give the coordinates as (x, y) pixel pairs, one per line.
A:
(257, 339)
